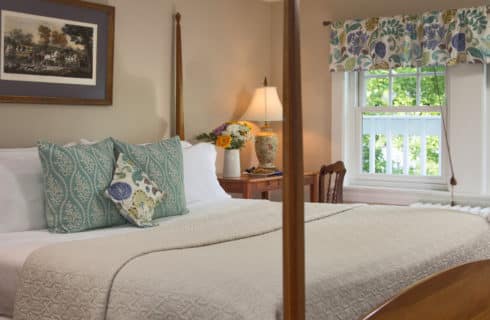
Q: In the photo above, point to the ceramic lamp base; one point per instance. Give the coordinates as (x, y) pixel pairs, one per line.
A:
(266, 144)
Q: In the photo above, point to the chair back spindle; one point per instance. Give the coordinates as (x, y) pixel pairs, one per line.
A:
(333, 173)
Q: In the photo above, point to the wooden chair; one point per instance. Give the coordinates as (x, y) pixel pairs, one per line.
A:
(335, 172)
(461, 293)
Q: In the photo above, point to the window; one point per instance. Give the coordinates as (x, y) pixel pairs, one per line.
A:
(399, 122)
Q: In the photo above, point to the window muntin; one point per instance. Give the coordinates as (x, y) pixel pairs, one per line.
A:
(401, 124)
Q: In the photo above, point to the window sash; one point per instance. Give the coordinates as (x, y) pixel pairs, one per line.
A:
(359, 97)
(390, 110)
(391, 76)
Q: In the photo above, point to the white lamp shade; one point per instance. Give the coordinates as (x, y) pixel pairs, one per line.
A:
(265, 106)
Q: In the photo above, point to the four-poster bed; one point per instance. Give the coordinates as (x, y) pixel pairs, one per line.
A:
(293, 239)
(465, 289)
(179, 93)
(223, 259)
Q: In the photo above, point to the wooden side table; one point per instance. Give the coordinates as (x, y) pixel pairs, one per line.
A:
(247, 186)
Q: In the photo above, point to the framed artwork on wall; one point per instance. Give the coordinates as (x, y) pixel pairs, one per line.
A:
(56, 52)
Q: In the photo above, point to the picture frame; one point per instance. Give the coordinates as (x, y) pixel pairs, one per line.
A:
(56, 52)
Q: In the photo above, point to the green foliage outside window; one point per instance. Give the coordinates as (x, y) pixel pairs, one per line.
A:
(432, 91)
(432, 160)
(405, 89)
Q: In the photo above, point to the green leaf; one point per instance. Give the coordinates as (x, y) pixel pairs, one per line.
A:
(350, 64)
(392, 27)
(476, 53)
(440, 56)
(207, 137)
(476, 19)
(353, 27)
(396, 58)
(364, 61)
(430, 19)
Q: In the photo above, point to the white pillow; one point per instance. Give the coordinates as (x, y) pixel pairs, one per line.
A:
(87, 141)
(185, 144)
(200, 181)
(21, 190)
(21, 195)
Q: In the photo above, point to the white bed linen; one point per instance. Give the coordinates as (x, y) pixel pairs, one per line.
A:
(15, 247)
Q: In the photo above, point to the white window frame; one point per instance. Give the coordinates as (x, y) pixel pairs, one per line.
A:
(355, 99)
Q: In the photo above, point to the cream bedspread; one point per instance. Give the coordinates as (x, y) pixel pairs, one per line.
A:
(228, 265)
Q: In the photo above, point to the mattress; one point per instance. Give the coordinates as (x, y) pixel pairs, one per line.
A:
(15, 247)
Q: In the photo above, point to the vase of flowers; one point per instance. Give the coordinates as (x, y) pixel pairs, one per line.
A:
(232, 136)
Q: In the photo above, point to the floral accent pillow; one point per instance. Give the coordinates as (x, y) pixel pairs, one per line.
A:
(163, 162)
(134, 194)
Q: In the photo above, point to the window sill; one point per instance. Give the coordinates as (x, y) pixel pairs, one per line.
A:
(392, 196)
(404, 197)
(400, 182)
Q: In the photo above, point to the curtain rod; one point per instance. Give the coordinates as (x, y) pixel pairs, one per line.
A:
(329, 23)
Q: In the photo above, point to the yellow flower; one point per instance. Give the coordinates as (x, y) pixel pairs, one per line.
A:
(342, 39)
(448, 16)
(223, 141)
(452, 62)
(372, 24)
(246, 124)
(382, 65)
(141, 200)
(461, 57)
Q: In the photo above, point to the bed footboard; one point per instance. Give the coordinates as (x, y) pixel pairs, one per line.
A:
(461, 293)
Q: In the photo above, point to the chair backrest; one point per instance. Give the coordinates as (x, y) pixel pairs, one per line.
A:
(332, 183)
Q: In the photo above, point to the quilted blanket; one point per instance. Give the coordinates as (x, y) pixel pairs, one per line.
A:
(227, 264)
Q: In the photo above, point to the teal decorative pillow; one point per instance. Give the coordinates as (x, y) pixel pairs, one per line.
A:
(74, 180)
(134, 194)
(163, 163)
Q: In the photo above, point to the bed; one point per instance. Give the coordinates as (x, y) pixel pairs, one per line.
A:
(223, 259)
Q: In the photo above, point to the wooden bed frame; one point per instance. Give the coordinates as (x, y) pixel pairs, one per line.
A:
(461, 293)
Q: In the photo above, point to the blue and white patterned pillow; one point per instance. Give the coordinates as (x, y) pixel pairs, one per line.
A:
(134, 194)
(74, 181)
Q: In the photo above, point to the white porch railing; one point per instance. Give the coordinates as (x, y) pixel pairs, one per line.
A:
(405, 126)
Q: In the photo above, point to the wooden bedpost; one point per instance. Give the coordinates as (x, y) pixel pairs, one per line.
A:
(293, 191)
(179, 94)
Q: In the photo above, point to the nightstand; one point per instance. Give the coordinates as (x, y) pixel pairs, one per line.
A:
(247, 186)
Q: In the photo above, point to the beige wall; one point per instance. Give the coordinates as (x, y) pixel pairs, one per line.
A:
(315, 78)
(226, 55)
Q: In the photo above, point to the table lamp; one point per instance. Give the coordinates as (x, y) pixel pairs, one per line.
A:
(265, 107)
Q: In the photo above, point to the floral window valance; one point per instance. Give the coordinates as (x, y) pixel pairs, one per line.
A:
(437, 38)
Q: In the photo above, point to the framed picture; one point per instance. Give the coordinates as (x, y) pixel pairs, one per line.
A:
(56, 52)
